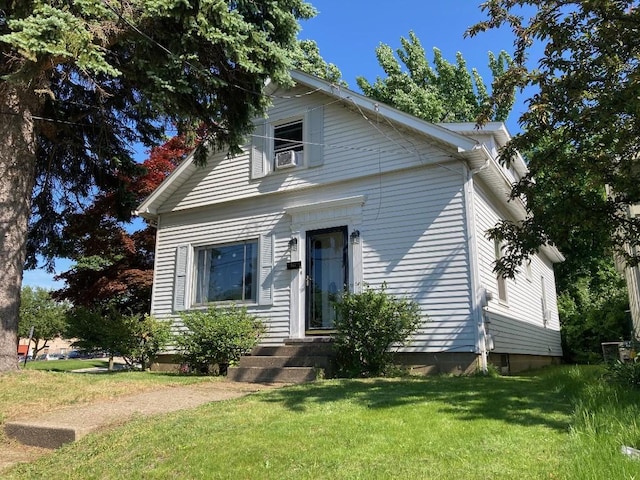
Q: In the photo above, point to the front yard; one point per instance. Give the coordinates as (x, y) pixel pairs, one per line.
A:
(561, 423)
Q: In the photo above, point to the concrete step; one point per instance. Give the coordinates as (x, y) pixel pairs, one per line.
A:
(272, 375)
(43, 436)
(296, 350)
(270, 361)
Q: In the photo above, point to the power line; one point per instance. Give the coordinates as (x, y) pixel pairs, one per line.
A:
(201, 69)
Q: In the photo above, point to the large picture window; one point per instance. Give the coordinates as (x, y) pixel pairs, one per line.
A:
(227, 273)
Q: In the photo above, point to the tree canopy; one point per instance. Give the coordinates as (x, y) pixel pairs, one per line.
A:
(581, 133)
(307, 58)
(442, 93)
(82, 81)
(114, 265)
(47, 316)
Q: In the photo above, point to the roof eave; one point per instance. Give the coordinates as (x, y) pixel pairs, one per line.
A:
(371, 106)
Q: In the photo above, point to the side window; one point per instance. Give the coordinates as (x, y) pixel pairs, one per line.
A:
(502, 282)
(543, 301)
(226, 273)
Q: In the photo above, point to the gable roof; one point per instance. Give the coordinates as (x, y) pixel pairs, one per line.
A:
(149, 207)
(453, 136)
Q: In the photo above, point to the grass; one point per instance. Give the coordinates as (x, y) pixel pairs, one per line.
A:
(64, 365)
(29, 392)
(561, 423)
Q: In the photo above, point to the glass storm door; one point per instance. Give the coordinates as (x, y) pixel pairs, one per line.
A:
(326, 276)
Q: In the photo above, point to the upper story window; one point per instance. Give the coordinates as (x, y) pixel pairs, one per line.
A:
(226, 272)
(279, 144)
(288, 137)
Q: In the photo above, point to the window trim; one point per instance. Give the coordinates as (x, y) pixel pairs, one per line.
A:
(294, 145)
(271, 149)
(197, 288)
(261, 153)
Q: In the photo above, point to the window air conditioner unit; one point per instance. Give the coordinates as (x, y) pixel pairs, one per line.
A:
(287, 159)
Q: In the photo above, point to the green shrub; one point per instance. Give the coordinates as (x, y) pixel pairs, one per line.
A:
(626, 374)
(146, 337)
(217, 336)
(368, 325)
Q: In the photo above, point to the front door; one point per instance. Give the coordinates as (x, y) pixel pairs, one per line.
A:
(326, 276)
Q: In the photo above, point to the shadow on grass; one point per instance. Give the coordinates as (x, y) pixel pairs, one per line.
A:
(540, 399)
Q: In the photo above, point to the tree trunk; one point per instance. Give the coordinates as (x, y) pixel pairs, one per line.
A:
(18, 105)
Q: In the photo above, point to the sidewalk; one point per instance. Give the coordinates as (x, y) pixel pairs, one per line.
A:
(72, 423)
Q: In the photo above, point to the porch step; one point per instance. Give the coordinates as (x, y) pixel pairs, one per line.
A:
(296, 361)
(272, 361)
(272, 375)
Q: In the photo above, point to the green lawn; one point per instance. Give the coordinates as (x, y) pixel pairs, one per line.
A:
(562, 423)
(64, 365)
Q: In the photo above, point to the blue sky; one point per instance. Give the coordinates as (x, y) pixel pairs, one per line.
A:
(348, 32)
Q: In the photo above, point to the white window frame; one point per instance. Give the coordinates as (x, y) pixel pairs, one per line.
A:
(196, 282)
(271, 150)
(292, 121)
(262, 156)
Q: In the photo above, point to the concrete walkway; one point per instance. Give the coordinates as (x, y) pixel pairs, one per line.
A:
(72, 423)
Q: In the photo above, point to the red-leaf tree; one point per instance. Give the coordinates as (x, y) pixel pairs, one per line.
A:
(113, 264)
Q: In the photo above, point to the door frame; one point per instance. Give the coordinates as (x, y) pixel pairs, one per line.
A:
(317, 216)
(307, 273)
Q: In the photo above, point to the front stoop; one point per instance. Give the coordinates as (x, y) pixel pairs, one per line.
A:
(296, 361)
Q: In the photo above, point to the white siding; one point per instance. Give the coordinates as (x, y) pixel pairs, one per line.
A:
(517, 326)
(412, 225)
(414, 240)
(353, 147)
(412, 236)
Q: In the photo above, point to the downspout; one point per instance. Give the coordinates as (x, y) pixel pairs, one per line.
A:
(478, 297)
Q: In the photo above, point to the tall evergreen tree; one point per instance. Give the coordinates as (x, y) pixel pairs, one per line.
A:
(81, 81)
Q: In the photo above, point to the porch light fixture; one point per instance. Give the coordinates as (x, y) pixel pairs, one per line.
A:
(293, 244)
(355, 236)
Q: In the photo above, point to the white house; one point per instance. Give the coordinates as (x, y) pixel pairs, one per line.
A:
(335, 189)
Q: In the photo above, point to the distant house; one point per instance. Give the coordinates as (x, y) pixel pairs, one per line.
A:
(632, 276)
(335, 190)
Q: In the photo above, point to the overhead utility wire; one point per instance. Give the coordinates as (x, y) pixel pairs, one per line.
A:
(197, 67)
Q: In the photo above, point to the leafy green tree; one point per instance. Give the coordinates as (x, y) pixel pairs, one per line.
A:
(444, 93)
(81, 81)
(581, 131)
(47, 316)
(135, 338)
(593, 309)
